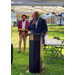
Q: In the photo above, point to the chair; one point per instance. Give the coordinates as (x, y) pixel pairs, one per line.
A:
(58, 38)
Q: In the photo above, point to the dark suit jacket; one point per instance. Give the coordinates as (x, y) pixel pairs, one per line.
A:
(41, 27)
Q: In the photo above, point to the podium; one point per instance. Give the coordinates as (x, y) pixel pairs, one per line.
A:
(35, 53)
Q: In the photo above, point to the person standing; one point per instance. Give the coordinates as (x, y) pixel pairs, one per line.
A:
(22, 34)
(30, 24)
(17, 23)
(46, 37)
(38, 25)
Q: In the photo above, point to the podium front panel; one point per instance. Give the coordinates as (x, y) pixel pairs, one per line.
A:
(35, 53)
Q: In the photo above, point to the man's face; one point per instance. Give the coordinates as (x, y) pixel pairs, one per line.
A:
(23, 18)
(36, 16)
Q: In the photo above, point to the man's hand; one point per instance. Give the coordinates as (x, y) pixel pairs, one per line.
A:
(34, 22)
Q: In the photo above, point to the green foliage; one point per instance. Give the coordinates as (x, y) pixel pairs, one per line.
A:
(21, 60)
(40, 14)
(15, 23)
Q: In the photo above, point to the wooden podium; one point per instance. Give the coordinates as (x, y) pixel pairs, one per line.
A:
(35, 53)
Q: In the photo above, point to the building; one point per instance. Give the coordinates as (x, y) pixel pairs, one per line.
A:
(50, 17)
(15, 17)
(58, 19)
(53, 18)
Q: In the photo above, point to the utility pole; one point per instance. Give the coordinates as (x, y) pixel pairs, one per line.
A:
(60, 19)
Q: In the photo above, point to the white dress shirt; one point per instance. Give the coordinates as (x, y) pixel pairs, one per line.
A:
(23, 24)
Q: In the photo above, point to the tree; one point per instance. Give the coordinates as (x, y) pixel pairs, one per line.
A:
(40, 14)
(60, 19)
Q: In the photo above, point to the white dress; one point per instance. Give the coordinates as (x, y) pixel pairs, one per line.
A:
(46, 37)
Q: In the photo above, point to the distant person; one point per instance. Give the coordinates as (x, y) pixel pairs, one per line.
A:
(29, 28)
(22, 34)
(46, 37)
(32, 16)
(38, 25)
(17, 23)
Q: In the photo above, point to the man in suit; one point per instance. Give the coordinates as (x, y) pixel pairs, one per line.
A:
(38, 25)
(22, 34)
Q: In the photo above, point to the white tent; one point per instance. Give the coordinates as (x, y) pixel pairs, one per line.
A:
(42, 9)
(43, 6)
(37, 2)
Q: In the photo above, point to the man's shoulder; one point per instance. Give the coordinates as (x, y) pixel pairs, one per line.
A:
(42, 19)
(32, 20)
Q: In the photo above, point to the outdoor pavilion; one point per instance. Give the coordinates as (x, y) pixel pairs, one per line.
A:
(42, 6)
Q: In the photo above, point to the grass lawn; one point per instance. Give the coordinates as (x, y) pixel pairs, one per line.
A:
(21, 60)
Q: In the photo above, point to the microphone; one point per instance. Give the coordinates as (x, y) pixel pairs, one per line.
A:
(34, 20)
(33, 23)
